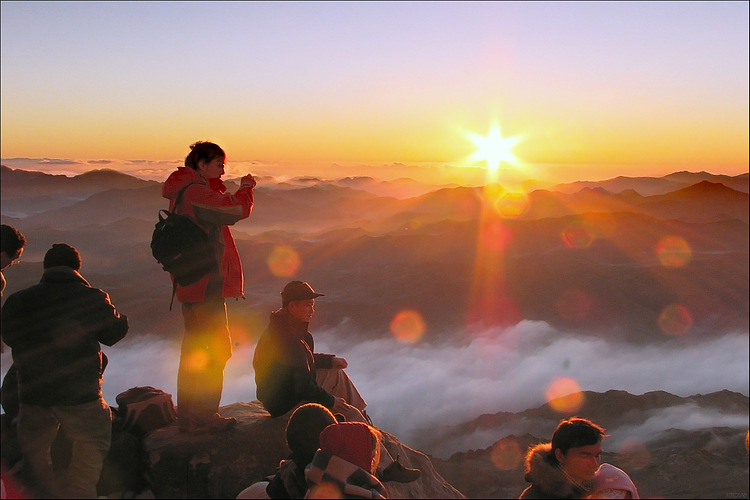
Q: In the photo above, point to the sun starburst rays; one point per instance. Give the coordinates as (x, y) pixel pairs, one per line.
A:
(494, 149)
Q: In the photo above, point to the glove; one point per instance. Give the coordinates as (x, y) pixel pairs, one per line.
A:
(248, 180)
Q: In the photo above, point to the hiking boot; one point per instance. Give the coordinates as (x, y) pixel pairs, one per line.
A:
(397, 473)
(217, 423)
(202, 425)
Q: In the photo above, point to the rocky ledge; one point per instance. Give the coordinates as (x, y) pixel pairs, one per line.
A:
(220, 465)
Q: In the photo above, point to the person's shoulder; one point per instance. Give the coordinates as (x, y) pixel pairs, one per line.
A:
(183, 177)
(23, 294)
(278, 320)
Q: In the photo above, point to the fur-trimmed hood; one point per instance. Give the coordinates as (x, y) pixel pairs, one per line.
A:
(547, 480)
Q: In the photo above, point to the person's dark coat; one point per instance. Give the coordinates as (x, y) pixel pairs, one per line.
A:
(288, 482)
(285, 364)
(546, 478)
(55, 329)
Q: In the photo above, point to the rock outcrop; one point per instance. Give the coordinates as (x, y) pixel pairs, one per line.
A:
(220, 465)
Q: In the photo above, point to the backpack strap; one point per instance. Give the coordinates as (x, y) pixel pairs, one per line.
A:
(177, 200)
(174, 291)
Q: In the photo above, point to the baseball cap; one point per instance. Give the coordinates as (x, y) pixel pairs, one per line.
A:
(298, 290)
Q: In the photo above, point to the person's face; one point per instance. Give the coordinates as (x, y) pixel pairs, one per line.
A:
(6, 260)
(213, 169)
(302, 310)
(581, 463)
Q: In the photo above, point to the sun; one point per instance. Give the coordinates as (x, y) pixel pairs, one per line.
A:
(494, 149)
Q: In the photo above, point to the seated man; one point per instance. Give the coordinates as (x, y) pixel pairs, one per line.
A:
(568, 466)
(289, 373)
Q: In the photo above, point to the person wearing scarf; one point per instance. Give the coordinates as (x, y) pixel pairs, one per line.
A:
(345, 464)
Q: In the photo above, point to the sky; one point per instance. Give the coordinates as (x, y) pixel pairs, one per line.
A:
(578, 90)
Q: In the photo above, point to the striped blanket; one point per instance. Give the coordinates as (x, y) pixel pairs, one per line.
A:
(329, 476)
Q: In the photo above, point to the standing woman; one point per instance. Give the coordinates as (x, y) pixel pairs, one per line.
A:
(207, 345)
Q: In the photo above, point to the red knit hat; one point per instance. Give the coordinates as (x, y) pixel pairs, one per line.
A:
(351, 441)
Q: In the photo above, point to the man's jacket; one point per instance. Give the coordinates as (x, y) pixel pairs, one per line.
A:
(55, 329)
(285, 365)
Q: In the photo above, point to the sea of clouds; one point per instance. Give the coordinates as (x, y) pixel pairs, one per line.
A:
(412, 387)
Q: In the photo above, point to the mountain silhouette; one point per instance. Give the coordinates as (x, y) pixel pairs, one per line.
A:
(585, 261)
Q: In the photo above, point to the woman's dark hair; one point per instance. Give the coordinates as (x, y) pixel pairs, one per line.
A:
(12, 240)
(62, 254)
(203, 151)
(574, 433)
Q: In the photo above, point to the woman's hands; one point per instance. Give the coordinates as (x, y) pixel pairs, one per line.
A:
(248, 180)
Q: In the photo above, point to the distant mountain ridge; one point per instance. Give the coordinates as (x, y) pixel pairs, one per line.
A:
(649, 186)
(584, 242)
(328, 204)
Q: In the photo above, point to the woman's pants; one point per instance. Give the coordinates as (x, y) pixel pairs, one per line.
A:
(206, 348)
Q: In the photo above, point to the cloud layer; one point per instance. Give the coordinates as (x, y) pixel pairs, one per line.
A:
(414, 387)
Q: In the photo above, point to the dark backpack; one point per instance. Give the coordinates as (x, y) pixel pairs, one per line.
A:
(181, 247)
(141, 410)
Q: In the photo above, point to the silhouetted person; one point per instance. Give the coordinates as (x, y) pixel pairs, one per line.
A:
(289, 373)
(345, 464)
(567, 466)
(54, 330)
(287, 370)
(206, 344)
(12, 243)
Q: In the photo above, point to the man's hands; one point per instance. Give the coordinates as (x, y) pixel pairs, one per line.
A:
(340, 405)
(339, 363)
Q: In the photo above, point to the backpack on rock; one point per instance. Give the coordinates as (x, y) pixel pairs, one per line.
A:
(141, 410)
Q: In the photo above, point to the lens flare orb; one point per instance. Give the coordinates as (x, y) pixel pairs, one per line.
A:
(634, 454)
(408, 326)
(673, 251)
(564, 395)
(675, 319)
(577, 235)
(283, 261)
(513, 205)
(506, 454)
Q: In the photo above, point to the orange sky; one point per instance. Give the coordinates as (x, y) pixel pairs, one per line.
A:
(591, 90)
